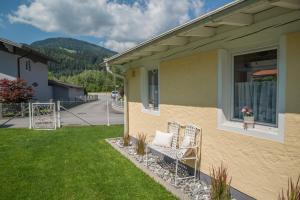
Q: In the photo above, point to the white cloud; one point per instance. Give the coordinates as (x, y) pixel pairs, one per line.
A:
(117, 46)
(121, 25)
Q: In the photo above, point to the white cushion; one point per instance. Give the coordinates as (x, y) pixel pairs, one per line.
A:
(186, 142)
(163, 139)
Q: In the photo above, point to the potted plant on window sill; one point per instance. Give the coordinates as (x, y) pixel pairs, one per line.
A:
(248, 117)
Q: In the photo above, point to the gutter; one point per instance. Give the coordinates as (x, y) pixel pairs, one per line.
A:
(126, 116)
(109, 71)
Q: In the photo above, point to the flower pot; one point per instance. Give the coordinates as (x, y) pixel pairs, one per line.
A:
(249, 119)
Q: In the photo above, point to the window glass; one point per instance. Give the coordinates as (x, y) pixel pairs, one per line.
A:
(153, 89)
(255, 85)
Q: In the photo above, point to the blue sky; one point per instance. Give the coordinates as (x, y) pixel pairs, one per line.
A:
(115, 24)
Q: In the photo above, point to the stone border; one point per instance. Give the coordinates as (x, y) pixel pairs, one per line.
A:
(176, 192)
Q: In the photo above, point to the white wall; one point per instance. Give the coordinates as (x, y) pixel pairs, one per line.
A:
(38, 74)
(8, 65)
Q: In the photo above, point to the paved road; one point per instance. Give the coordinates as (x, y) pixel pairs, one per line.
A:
(94, 113)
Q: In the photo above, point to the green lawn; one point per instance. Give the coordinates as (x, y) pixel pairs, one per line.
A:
(70, 163)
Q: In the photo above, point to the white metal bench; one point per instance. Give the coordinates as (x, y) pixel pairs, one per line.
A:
(180, 154)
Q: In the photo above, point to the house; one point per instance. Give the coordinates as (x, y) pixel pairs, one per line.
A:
(66, 91)
(205, 71)
(21, 61)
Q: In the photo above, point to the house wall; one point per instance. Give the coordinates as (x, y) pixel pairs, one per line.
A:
(8, 65)
(38, 74)
(60, 93)
(75, 92)
(188, 94)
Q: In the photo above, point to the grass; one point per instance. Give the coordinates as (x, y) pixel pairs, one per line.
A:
(70, 163)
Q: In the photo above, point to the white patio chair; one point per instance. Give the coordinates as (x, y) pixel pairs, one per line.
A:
(188, 152)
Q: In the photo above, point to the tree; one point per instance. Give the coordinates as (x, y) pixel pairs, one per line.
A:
(15, 91)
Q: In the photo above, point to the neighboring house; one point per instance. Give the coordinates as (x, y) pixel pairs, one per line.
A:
(246, 53)
(66, 91)
(21, 61)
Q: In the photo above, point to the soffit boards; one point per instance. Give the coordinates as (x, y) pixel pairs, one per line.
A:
(199, 30)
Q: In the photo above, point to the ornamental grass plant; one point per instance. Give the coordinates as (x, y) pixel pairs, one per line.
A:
(220, 184)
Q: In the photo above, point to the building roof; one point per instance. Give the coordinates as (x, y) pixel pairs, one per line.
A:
(63, 84)
(24, 49)
(235, 14)
(265, 72)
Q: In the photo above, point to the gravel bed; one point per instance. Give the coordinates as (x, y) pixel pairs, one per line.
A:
(196, 190)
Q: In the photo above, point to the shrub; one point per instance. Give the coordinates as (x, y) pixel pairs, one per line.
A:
(141, 144)
(293, 191)
(220, 184)
(15, 91)
(126, 139)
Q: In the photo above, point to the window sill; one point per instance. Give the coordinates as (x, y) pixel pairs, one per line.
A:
(259, 131)
(155, 112)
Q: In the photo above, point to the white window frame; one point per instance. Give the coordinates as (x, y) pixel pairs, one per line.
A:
(226, 92)
(232, 83)
(144, 90)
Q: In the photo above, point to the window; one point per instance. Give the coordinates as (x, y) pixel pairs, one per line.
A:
(150, 89)
(255, 86)
(255, 79)
(28, 65)
(153, 99)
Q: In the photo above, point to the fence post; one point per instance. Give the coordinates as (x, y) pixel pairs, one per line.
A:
(22, 109)
(30, 115)
(107, 111)
(1, 115)
(58, 114)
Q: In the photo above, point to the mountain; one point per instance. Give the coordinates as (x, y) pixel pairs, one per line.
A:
(73, 56)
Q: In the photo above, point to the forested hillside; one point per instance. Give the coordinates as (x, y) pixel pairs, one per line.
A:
(77, 62)
(72, 56)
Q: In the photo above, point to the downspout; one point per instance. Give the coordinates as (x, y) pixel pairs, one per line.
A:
(126, 116)
(18, 64)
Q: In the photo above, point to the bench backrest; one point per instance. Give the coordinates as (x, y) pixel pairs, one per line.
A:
(193, 132)
(174, 128)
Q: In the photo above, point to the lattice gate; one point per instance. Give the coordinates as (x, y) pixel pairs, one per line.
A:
(43, 116)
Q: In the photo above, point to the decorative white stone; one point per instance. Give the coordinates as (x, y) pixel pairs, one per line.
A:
(197, 190)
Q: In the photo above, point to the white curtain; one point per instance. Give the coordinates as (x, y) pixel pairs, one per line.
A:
(260, 96)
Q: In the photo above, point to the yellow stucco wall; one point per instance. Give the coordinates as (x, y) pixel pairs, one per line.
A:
(188, 94)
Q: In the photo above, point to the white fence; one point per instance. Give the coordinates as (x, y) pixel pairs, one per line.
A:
(97, 110)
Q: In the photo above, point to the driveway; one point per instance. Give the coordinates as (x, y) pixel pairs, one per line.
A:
(94, 113)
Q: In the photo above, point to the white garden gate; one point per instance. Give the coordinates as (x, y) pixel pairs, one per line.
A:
(43, 116)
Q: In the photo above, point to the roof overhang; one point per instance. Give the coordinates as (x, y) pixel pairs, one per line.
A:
(63, 84)
(24, 50)
(237, 14)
